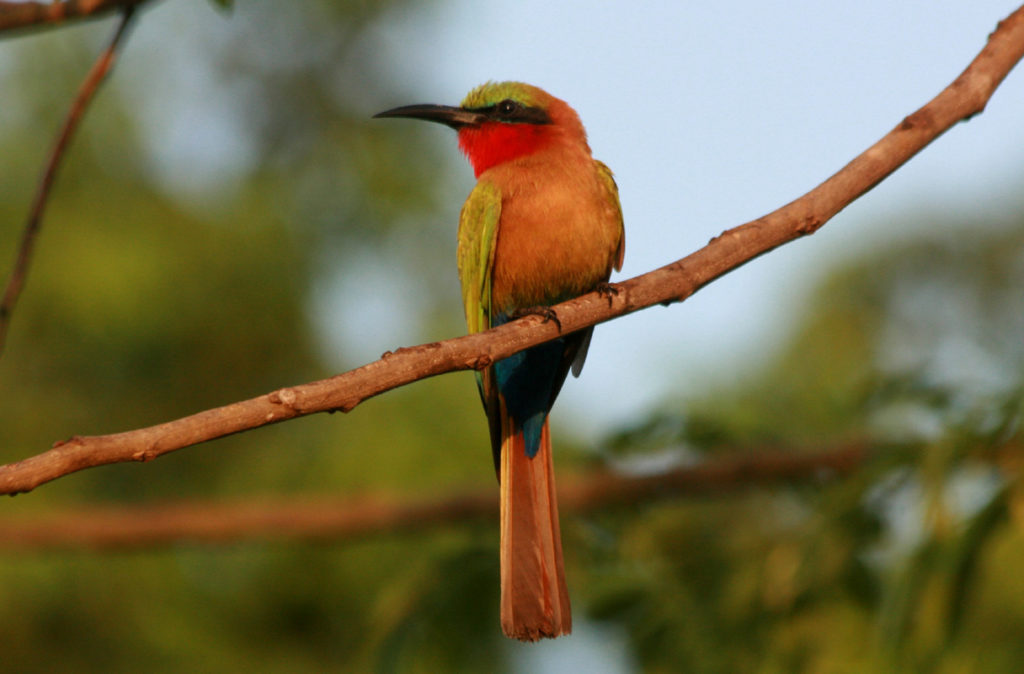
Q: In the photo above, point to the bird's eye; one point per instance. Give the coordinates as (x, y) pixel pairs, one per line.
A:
(507, 106)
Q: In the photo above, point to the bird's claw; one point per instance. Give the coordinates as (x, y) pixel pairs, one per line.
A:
(547, 313)
(607, 291)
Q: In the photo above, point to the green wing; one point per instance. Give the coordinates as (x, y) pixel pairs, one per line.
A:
(478, 230)
(612, 192)
(478, 234)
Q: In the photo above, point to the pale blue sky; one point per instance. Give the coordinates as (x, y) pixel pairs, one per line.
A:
(712, 114)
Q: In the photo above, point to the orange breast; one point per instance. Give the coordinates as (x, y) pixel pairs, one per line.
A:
(558, 233)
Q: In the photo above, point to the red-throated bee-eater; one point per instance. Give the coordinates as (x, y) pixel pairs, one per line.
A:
(542, 225)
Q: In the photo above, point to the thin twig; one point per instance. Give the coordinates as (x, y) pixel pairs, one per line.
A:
(338, 520)
(86, 92)
(19, 15)
(961, 100)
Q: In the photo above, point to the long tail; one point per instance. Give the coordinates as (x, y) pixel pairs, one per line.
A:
(534, 597)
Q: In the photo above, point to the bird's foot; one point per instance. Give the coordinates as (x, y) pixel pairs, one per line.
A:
(547, 313)
(607, 291)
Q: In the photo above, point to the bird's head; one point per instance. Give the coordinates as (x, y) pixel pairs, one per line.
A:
(501, 121)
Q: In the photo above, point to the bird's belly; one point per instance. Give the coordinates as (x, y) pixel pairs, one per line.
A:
(552, 251)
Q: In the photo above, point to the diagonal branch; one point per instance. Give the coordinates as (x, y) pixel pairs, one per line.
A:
(86, 92)
(101, 528)
(18, 15)
(961, 100)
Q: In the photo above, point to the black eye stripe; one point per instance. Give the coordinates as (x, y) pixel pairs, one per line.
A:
(513, 112)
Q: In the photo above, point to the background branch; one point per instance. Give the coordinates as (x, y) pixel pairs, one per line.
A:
(86, 92)
(343, 520)
(965, 97)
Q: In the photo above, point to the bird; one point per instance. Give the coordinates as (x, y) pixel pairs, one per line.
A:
(542, 225)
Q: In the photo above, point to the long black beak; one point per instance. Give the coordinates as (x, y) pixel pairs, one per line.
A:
(456, 118)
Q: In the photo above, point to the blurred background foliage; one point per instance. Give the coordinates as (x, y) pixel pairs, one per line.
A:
(155, 294)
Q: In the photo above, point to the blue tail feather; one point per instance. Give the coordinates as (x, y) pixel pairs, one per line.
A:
(527, 382)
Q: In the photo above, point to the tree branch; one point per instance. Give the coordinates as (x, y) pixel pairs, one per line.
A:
(344, 520)
(17, 15)
(85, 95)
(964, 98)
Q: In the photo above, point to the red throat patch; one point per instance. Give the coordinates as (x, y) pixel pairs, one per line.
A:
(494, 143)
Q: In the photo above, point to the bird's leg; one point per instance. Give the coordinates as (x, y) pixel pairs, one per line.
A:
(547, 313)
